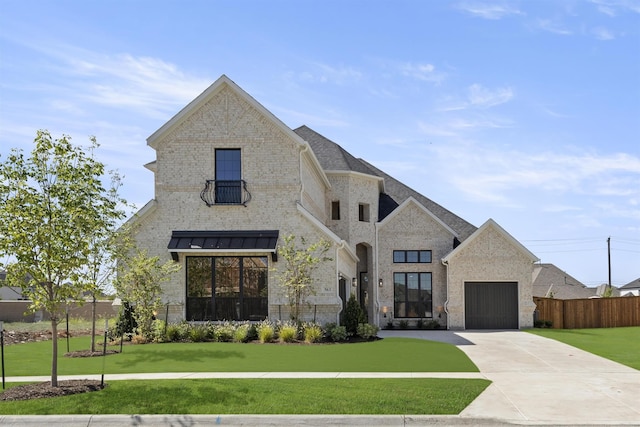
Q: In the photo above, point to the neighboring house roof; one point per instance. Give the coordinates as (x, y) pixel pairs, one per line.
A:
(634, 284)
(335, 158)
(630, 289)
(549, 280)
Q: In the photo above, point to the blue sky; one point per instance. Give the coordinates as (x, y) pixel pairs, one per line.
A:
(527, 112)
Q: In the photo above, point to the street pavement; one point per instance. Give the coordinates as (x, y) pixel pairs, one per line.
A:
(535, 381)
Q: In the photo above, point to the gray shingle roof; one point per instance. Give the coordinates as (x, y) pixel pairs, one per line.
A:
(564, 286)
(333, 157)
(634, 284)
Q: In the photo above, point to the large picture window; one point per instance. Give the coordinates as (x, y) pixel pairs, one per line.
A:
(412, 295)
(227, 288)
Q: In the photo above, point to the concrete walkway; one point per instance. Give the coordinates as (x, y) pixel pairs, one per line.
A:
(536, 381)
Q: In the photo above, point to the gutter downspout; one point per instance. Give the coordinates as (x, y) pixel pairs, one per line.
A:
(377, 279)
(337, 278)
(304, 149)
(446, 303)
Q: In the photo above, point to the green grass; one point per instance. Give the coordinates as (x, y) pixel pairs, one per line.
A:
(262, 396)
(621, 345)
(387, 355)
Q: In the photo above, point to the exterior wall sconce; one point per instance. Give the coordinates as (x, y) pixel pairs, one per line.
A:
(440, 310)
(385, 309)
(354, 282)
(340, 276)
(380, 282)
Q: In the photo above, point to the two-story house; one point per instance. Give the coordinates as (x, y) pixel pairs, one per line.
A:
(231, 180)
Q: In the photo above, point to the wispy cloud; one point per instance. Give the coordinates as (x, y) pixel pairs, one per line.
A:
(497, 175)
(422, 71)
(485, 98)
(140, 83)
(325, 73)
(553, 27)
(615, 7)
(488, 10)
(602, 33)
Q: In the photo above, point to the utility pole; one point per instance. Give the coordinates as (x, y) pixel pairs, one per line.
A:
(609, 259)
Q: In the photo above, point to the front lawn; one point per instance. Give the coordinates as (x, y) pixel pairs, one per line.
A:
(621, 345)
(264, 396)
(387, 355)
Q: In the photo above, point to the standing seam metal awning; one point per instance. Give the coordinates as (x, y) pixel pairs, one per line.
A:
(240, 240)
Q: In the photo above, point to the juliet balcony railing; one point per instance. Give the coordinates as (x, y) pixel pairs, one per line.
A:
(217, 192)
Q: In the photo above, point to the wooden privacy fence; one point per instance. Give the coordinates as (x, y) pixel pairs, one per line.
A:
(589, 313)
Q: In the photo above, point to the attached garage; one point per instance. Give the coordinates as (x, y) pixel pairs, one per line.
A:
(491, 305)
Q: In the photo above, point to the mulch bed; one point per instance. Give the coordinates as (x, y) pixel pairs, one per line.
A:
(43, 390)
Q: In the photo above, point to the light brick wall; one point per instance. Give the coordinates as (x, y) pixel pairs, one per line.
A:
(413, 229)
(271, 168)
(490, 257)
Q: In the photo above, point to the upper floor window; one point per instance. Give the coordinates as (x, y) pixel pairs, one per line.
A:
(363, 212)
(411, 256)
(228, 181)
(335, 210)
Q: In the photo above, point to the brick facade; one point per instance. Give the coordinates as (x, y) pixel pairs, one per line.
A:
(293, 193)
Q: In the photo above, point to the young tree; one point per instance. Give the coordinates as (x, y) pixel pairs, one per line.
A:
(139, 283)
(53, 205)
(101, 267)
(296, 279)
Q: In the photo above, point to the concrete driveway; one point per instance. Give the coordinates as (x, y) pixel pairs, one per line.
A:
(541, 381)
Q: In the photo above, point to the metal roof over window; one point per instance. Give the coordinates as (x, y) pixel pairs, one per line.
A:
(227, 240)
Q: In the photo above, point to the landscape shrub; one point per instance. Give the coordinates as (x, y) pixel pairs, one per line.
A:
(224, 332)
(404, 324)
(354, 315)
(367, 331)
(177, 332)
(265, 331)
(241, 333)
(432, 324)
(287, 332)
(335, 332)
(312, 332)
(138, 339)
(198, 333)
(157, 331)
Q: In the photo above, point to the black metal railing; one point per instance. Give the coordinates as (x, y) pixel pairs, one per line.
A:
(217, 192)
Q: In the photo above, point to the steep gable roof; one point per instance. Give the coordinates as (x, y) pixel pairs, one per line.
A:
(217, 86)
(491, 224)
(333, 157)
(411, 201)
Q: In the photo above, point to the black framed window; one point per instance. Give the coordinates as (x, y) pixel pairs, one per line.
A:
(363, 212)
(412, 257)
(412, 295)
(227, 288)
(228, 176)
(335, 210)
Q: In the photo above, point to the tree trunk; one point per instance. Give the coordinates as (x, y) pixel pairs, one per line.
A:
(93, 324)
(54, 357)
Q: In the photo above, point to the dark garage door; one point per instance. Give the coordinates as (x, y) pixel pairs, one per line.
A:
(491, 305)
